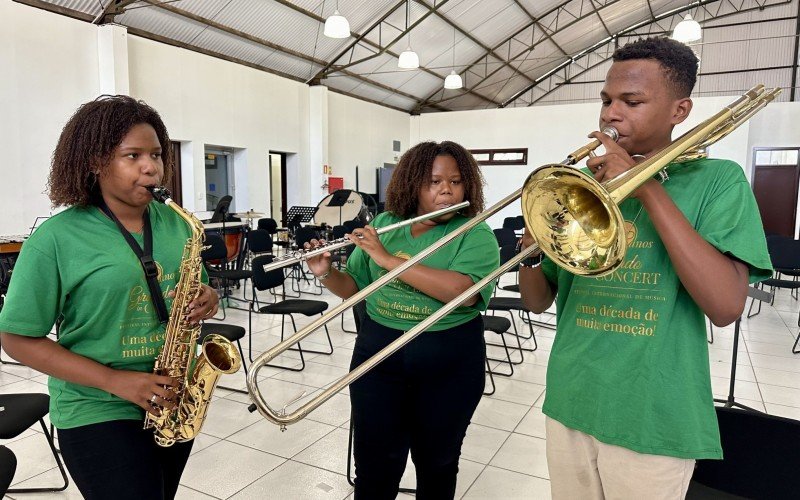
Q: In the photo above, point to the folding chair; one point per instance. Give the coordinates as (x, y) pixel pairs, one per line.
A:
(264, 280)
(21, 411)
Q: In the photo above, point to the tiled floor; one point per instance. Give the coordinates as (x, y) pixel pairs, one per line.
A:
(240, 455)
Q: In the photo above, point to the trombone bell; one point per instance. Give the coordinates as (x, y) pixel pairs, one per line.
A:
(575, 220)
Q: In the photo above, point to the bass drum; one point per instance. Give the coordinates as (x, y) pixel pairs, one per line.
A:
(351, 204)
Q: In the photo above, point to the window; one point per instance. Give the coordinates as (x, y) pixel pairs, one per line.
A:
(776, 156)
(512, 156)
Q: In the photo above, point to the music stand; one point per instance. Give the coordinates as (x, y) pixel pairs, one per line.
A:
(297, 215)
(221, 212)
(338, 199)
(730, 401)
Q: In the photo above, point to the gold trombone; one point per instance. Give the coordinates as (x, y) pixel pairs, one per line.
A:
(574, 219)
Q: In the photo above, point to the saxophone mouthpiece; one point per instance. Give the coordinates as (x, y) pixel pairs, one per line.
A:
(160, 193)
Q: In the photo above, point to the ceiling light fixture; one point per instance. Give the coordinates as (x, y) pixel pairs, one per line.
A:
(408, 58)
(453, 80)
(687, 30)
(336, 26)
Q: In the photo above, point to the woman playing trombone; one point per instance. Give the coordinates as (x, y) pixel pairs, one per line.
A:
(421, 399)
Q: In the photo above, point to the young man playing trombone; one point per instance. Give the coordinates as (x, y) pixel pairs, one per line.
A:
(629, 404)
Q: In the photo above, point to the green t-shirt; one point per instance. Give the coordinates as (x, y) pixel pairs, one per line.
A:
(77, 264)
(401, 306)
(629, 364)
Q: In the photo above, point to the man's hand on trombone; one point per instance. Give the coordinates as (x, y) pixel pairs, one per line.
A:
(615, 162)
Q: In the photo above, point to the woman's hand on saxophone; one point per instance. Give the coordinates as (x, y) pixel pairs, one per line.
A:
(204, 306)
(147, 390)
(320, 265)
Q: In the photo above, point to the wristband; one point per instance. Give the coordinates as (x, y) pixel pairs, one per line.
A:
(534, 261)
(324, 276)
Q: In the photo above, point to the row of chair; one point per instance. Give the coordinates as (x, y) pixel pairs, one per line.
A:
(784, 253)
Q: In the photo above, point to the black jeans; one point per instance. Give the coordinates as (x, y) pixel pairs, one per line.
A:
(120, 460)
(419, 399)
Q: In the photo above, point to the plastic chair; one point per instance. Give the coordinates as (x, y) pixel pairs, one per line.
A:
(233, 333)
(785, 256)
(217, 267)
(8, 465)
(761, 458)
(505, 236)
(264, 280)
(21, 411)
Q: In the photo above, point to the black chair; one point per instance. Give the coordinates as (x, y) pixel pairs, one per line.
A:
(302, 236)
(506, 253)
(259, 241)
(233, 333)
(270, 226)
(498, 325)
(516, 224)
(505, 236)
(21, 411)
(265, 280)
(352, 225)
(8, 465)
(339, 256)
(785, 256)
(761, 458)
(215, 259)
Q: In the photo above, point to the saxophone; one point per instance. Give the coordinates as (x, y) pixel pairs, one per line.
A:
(197, 374)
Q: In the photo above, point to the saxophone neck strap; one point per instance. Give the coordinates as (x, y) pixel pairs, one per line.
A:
(145, 258)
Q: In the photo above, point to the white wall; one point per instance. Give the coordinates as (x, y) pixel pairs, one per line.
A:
(361, 134)
(551, 132)
(777, 125)
(210, 101)
(48, 66)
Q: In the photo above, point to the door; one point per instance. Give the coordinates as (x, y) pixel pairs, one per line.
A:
(776, 177)
(175, 185)
(277, 176)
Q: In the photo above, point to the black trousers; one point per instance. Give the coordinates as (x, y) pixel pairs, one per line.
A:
(120, 460)
(420, 399)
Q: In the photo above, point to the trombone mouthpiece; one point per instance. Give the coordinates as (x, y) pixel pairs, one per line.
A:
(160, 193)
(611, 132)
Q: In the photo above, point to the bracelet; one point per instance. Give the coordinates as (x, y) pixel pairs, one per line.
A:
(324, 276)
(534, 261)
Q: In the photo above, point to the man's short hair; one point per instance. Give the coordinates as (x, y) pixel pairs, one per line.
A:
(677, 59)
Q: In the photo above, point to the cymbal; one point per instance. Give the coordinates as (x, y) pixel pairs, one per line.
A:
(249, 215)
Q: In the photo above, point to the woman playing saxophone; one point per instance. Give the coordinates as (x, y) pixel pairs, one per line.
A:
(78, 269)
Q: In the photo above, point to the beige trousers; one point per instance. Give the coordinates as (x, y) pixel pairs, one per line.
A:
(581, 467)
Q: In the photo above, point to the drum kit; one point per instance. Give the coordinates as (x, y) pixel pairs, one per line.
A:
(333, 210)
(339, 207)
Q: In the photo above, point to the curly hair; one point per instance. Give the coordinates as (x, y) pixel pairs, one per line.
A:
(414, 171)
(677, 59)
(87, 145)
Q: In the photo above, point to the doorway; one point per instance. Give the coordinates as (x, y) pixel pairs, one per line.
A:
(277, 183)
(776, 177)
(219, 177)
(175, 186)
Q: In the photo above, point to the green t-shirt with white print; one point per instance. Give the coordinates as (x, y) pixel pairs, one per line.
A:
(400, 306)
(79, 266)
(629, 364)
